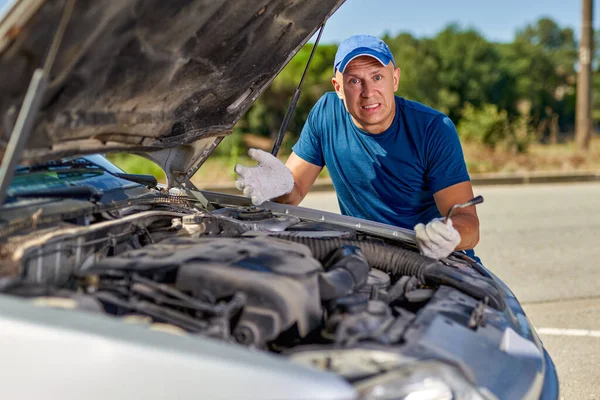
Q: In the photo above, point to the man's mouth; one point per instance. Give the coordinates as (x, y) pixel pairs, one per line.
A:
(370, 106)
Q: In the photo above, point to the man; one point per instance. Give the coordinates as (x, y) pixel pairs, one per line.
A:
(391, 160)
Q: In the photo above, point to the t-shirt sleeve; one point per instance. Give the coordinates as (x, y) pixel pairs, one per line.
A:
(308, 147)
(445, 158)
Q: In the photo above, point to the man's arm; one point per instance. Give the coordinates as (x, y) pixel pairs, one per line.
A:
(305, 174)
(464, 220)
(446, 166)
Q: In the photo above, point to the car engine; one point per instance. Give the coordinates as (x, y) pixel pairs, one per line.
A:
(240, 274)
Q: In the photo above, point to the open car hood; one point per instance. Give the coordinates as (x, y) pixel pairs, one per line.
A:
(164, 79)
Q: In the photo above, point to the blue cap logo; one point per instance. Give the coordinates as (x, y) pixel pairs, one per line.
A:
(362, 45)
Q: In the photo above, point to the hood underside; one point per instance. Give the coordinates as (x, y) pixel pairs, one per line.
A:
(166, 79)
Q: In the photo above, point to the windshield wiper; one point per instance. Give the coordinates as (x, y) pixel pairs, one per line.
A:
(86, 192)
(146, 180)
(76, 163)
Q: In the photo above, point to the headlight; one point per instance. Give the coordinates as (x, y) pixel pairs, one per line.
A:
(421, 381)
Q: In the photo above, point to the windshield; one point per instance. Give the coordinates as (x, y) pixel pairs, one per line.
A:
(94, 171)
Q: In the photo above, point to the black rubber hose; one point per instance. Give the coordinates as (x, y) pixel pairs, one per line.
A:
(395, 261)
(481, 288)
(400, 262)
(347, 270)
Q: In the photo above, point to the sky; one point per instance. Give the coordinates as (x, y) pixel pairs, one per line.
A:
(497, 20)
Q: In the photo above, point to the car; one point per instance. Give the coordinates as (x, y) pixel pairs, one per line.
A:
(114, 286)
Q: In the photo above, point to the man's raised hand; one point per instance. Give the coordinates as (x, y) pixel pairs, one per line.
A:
(267, 180)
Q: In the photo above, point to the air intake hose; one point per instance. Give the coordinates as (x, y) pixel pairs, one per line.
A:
(347, 270)
(401, 262)
(397, 262)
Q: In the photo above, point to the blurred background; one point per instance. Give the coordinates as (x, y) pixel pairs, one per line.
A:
(505, 72)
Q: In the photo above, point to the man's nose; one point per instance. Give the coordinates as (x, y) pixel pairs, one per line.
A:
(367, 90)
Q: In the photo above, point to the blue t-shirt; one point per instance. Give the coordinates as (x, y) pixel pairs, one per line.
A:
(388, 177)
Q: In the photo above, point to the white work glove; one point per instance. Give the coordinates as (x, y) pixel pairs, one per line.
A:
(268, 180)
(437, 239)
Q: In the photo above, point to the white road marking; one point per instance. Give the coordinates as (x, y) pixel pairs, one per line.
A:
(568, 332)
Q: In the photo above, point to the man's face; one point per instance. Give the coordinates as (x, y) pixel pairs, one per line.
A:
(367, 89)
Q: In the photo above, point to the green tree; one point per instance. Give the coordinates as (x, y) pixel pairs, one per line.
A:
(542, 61)
(468, 68)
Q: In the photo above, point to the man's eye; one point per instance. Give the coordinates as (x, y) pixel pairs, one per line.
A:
(378, 77)
(354, 81)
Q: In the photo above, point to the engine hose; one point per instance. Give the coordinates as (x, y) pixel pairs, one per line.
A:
(481, 288)
(347, 270)
(395, 261)
(400, 262)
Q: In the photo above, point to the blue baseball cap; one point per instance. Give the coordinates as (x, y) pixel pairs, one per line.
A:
(362, 45)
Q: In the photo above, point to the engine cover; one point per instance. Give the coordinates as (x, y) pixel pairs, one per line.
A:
(278, 277)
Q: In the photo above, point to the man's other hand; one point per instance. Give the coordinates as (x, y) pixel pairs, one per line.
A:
(266, 181)
(437, 239)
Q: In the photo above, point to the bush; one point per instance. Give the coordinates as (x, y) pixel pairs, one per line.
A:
(491, 127)
(488, 125)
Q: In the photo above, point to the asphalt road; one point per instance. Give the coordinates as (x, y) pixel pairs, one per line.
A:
(543, 241)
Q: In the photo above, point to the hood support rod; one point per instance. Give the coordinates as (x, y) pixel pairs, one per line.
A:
(31, 106)
(295, 98)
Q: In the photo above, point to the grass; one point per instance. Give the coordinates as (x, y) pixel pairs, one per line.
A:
(561, 157)
(219, 168)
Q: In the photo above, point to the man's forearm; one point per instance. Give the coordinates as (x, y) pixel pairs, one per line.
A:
(468, 227)
(294, 197)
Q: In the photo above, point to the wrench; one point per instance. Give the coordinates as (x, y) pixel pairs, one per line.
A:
(472, 202)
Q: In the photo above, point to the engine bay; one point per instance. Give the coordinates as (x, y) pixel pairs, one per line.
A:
(244, 275)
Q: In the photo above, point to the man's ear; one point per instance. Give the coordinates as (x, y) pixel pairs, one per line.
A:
(337, 86)
(397, 74)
